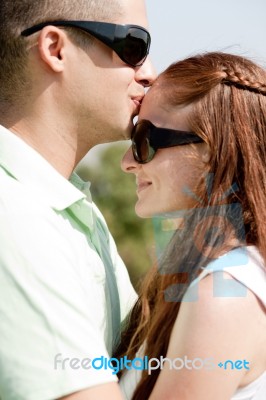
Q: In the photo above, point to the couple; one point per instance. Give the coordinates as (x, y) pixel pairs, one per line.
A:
(198, 152)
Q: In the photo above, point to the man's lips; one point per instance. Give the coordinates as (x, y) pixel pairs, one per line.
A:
(138, 100)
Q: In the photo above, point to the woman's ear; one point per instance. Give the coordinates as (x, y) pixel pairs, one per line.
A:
(206, 153)
(51, 44)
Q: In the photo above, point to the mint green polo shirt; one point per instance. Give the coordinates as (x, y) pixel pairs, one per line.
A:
(55, 301)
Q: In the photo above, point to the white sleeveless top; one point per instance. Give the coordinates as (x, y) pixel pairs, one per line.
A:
(246, 266)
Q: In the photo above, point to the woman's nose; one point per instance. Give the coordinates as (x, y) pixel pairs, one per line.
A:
(128, 163)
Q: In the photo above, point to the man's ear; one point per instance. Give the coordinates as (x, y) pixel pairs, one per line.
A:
(51, 44)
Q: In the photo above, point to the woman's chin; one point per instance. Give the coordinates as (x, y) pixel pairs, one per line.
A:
(147, 212)
(142, 212)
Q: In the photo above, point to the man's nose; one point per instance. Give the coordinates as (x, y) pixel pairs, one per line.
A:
(146, 74)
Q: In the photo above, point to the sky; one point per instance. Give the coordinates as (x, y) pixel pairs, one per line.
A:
(180, 28)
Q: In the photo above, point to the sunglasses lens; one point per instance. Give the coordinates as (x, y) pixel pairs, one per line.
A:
(136, 46)
(142, 151)
(147, 138)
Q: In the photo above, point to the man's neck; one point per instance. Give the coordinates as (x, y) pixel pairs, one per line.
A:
(56, 143)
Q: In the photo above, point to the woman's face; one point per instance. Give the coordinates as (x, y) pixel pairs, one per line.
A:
(166, 183)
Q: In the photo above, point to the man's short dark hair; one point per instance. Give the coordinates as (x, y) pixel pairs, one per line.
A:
(17, 15)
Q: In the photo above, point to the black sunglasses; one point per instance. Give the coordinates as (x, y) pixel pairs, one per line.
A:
(147, 139)
(130, 42)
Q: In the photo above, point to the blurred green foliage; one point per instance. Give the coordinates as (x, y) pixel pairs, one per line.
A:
(114, 192)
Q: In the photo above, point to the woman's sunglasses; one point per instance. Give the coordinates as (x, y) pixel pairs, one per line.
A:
(130, 42)
(147, 139)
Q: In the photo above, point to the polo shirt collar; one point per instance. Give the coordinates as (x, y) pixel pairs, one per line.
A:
(28, 167)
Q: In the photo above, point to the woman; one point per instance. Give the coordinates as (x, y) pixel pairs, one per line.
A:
(199, 156)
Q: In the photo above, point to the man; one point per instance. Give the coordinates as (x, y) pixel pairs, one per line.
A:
(64, 87)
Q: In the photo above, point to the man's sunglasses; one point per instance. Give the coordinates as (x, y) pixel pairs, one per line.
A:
(130, 42)
(147, 139)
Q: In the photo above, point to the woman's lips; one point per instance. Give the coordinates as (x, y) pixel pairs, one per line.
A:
(142, 186)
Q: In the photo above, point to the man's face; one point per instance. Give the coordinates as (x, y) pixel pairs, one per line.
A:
(105, 91)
